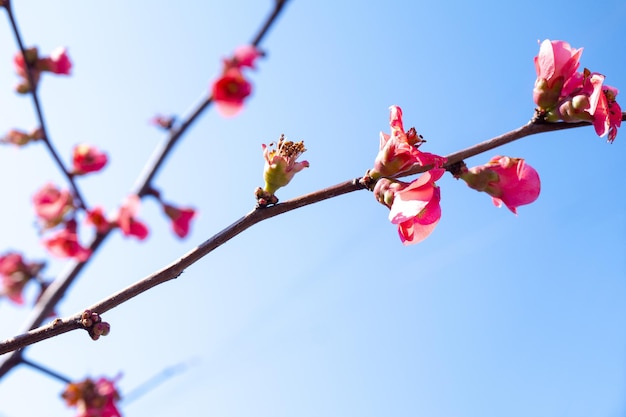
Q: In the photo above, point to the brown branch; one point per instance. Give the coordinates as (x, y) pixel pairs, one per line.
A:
(176, 268)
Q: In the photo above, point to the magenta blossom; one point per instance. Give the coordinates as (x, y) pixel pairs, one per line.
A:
(230, 91)
(64, 243)
(180, 217)
(57, 63)
(399, 151)
(52, 204)
(507, 180)
(93, 398)
(87, 158)
(556, 62)
(15, 273)
(127, 221)
(414, 206)
(585, 98)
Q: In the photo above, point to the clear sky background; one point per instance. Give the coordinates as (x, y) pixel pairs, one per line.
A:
(322, 311)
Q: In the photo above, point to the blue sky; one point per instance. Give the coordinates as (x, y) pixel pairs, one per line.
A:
(322, 311)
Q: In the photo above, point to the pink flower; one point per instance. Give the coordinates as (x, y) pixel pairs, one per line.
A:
(414, 206)
(180, 217)
(52, 204)
(87, 159)
(93, 399)
(399, 151)
(64, 244)
(127, 222)
(229, 92)
(280, 163)
(32, 57)
(21, 67)
(245, 56)
(556, 62)
(57, 63)
(15, 274)
(507, 180)
(585, 98)
(608, 114)
(97, 218)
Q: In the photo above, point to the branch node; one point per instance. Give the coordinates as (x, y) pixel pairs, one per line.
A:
(91, 321)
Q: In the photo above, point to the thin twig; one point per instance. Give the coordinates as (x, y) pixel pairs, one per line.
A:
(47, 371)
(42, 125)
(176, 268)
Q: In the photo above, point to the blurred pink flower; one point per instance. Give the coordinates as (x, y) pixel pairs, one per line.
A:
(245, 56)
(64, 243)
(180, 217)
(507, 180)
(52, 204)
(96, 218)
(127, 222)
(58, 62)
(15, 274)
(87, 158)
(93, 398)
(229, 92)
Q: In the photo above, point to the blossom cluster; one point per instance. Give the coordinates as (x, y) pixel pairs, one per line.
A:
(415, 206)
(563, 93)
(30, 62)
(91, 398)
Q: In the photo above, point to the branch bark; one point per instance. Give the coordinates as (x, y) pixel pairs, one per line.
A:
(176, 268)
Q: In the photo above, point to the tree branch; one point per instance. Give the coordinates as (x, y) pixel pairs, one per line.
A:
(176, 268)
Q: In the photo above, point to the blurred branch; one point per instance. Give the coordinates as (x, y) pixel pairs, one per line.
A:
(143, 185)
(55, 292)
(42, 124)
(176, 268)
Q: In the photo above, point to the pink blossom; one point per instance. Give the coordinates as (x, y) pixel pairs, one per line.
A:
(585, 98)
(556, 62)
(414, 206)
(608, 114)
(180, 217)
(245, 56)
(507, 180)
(229, 92)
(15, 274)
(399, 151)
(93, 398)
(64, 244)
(58, 62)
(127, 222)
(96, 217)
(86, 158)
(21, 68)
(52, 204)
(280, 163)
